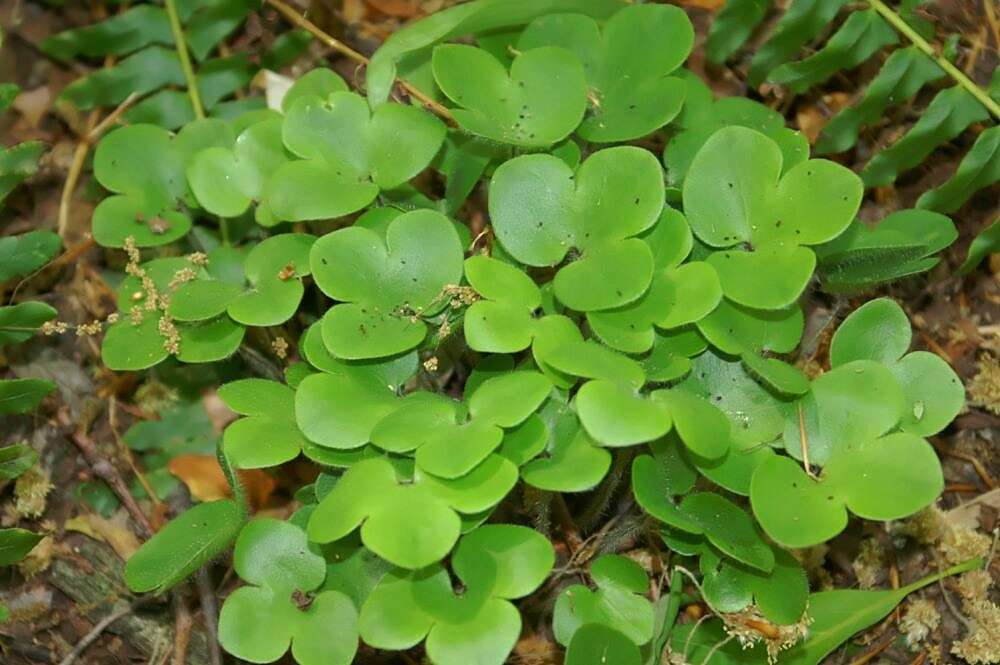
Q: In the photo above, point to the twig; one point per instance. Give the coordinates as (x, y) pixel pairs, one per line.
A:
(97, 132)
(991, 18)
(295, 17)
(94, 131)
(108, 473)
(185, 58)
(954, 72)
(804, 443)
(209, 613)
(182, 629)
(872, 652)
(96, 631)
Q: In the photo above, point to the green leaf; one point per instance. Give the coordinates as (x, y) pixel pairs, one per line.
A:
(933, 393)
(502, 322)
(854, 42)
(735, 329)
(495, 562)
(226, 180)
(18, 163)
(882, 479)
(19, 322)
(703, 427)
(411, 524)
(468, 18)
(802, 22)
(729, 528)
(212, 22)
(573, 462)
(274, 557)
(540, 101)
(118, 35)
(632, 93)
(616, 416)
(23, 395)
(142, 72)
(658, 478)
(702, 116)
(781, 595)
(878, 330)
(617, 603)
(735, 193)
(617, 193)
(985, 243)
(852, 403)
(23, 254)
(387, 284)
(593, 643)
(15, 544)
(979, 169)
(902, 244)
(841, 613)
(275, 269)
(732, 26)
(949, 113)
(319, 82)
(184, 545)
(905, 72)
(389, 146)
(15, 460)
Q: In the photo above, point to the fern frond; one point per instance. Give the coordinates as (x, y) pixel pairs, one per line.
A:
(862, 35)
(979, 169)
(733, 26)
(804, 21)
(904, 74)
(949, 114)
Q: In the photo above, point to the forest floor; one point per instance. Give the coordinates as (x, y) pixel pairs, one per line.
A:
(73, 579)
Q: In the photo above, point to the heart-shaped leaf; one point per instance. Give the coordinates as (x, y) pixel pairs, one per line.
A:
(539, 102)
(618, 602)
(729, 528)
(781, 595)
(268, 436)
(275, 558)
(616, 416)
(883, 479)
(225, 181)
(735, 194)
(502, 322)
(496, 563)
(274, 268)
(386, 285)
(389, 146)
(542, 211)
(852, 403)
(411, 524)
(632, 94)
(573, 461)
(143, 166)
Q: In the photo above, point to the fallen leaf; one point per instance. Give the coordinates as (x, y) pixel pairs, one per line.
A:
(34, 104)
(205, 480)
(812, 118)
(396, 8)
(274, 85)
(967, 515)
(710, 5)
(114, 532)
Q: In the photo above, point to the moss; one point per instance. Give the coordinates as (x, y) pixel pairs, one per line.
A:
(921, 619)
(984, 389)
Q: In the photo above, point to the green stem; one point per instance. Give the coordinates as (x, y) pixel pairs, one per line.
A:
(239, 494)
(954, 72)
(963, 567)
(185, 58)
(224, 230)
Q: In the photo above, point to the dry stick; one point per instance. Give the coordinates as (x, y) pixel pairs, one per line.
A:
(293, 15)
(209, 613)
(182, 629)
(96, 631)
(804, 443)
(94, 131)
(108, 473)
(991, 18)
(954, 72)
